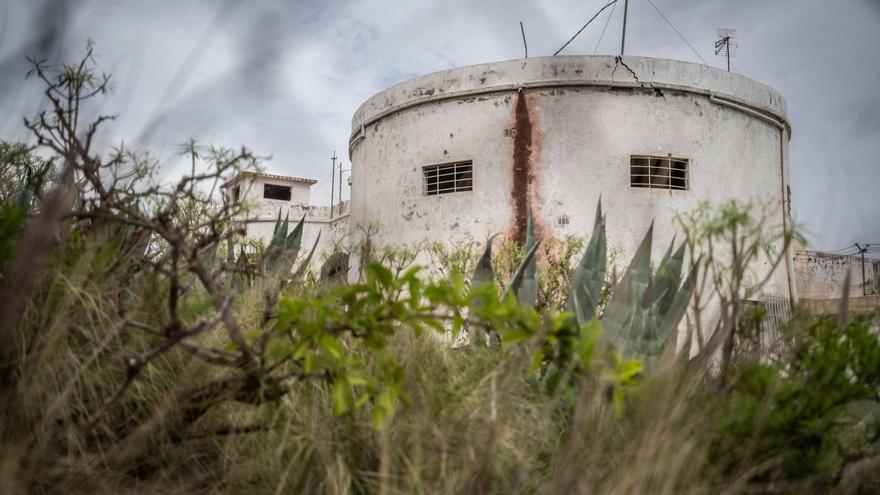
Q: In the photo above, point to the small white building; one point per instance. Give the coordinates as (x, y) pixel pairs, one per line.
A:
(267, 194)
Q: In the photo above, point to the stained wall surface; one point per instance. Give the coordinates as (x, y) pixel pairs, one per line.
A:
(823, 275)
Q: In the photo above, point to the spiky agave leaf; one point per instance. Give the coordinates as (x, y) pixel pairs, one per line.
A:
(483, 273)
(277, 223)
(625, 316)
(305, 264)
(586, 285)
(275, 250)
(280, 234)
(293, 243)
(527, 289)
(668, 277)
(483, 276)
(517, 282)
(666, 322)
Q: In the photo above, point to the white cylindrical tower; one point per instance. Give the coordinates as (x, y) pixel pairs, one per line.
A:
(461, 154)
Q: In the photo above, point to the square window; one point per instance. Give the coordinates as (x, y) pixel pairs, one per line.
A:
(272, 191)
(659, 172)
(448, 178)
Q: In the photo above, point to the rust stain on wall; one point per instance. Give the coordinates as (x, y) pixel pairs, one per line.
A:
(524, 169)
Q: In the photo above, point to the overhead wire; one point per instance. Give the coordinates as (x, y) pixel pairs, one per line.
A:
(604, 28)
(612, 2)
(678, 33)
(852, 249)
(322, 181)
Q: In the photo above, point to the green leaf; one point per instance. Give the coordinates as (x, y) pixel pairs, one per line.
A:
(341, 396)
(628, 369)
(383, 408)
(379, 273)
(588, 340)
(278, 348)
(537, 361)
(331, 345)
(514, 336)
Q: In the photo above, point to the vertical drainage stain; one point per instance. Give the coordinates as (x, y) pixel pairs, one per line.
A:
(522, 168)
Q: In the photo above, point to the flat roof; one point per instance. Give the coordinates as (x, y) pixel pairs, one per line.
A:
(285, 178)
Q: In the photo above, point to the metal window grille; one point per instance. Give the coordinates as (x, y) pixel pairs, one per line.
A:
(272, 191)
(770, 342)
(659, 172)
(448, 178)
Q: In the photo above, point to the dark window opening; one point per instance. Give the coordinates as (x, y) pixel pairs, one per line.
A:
(448, 178)
(659, 172)
(271, 191)
(236, 194)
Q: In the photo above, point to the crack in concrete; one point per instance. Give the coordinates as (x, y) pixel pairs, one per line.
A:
(619, 60)
(659, 93)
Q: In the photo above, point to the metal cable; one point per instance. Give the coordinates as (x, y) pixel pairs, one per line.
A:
(612, 2)
(678, 33)
(604, 28)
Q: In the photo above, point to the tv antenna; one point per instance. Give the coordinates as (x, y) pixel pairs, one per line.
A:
(726, 44)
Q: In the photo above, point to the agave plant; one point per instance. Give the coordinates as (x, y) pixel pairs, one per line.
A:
(284, 248)
(645, 307)
(281, 254)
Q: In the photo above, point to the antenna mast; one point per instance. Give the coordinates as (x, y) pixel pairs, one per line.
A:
(332, 180)
(623, 36)
(726, 44)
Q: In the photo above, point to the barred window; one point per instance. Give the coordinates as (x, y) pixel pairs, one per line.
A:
(448, 178)
(659, 172)
(272, 191)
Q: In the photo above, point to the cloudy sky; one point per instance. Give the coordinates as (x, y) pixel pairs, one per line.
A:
(284, 77)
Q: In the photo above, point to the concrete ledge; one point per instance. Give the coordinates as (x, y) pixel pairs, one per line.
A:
(571, 71)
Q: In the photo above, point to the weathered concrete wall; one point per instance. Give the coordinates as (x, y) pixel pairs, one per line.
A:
(557, 133)
(861, 304)
(252, 192)
(822, 275)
